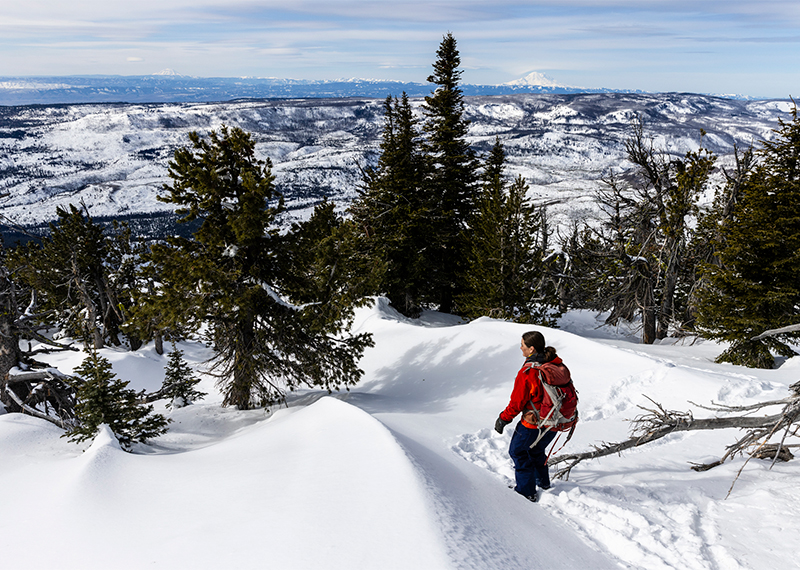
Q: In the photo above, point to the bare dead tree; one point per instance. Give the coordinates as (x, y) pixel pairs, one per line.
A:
(658, 422)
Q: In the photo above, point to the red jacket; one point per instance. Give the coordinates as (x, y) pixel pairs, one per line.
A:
(527, 392)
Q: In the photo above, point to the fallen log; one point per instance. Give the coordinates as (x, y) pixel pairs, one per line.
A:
(658, 423)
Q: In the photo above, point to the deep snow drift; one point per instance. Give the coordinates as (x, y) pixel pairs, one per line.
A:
(404, 471)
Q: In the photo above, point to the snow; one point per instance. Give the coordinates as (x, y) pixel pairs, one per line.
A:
(404, 470)
(114, 157)
(535, 78)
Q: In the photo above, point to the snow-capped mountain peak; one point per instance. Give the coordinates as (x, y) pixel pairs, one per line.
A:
(535, 79)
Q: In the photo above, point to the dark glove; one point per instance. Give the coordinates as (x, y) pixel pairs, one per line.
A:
(500, 424)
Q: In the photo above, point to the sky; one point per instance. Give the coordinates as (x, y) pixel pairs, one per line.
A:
(703, 46)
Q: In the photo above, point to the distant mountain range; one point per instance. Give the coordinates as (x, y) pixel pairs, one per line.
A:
(168, 86)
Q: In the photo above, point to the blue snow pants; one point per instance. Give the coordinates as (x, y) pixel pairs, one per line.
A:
(530, 468)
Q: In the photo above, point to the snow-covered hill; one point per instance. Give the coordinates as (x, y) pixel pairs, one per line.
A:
(404, 471)
(114, 157)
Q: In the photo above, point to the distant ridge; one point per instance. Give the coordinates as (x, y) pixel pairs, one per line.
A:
(114, 157)
(168, 86)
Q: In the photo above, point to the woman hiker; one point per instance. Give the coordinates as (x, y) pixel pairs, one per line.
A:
(530, 463)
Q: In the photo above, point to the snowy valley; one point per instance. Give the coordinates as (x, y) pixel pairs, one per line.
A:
(114, 157)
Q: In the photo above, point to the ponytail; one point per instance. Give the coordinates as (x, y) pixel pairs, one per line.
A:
(549, 354)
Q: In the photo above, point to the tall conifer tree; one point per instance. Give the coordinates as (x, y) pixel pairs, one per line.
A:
(755, 287)
(229, 276)
(505, 252)
(451, 181)
(392, 212)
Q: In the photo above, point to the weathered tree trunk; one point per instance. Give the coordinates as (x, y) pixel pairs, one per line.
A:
(111, 313)
(651, 436)
(92, 330)
(645, 296)
(240, 391)
(43, 394)
(9, 358)
(158, 340)
(666, 313)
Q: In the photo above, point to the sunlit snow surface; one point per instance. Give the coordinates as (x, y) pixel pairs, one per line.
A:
(404, 471)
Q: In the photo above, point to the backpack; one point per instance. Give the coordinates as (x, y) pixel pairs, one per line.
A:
(558, 410)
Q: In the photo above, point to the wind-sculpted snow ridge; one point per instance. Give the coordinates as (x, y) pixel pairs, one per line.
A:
(114, 157)
(342, 487)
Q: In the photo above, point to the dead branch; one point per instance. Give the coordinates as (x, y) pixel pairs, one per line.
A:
(34, 375)
(775, 452)
(56, 346)
(45, 394)
(145, 398)
(774, 332)
(63, 424)
(714, 407)
(658, 423)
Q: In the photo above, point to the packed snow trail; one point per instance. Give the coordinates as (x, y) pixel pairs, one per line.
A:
(646, 509)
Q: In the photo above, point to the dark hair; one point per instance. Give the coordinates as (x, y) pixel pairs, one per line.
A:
(535, 340)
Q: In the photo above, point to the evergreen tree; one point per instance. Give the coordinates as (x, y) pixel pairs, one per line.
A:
(755, 286)
(392, 213)
(84, 276)
(420, 200)
(104, 399)
(451, 178)
(330, 274)
(179, 382)
(571, 271)
(229, 276)
(123, 280)
(708, 233)
(147, 319)
(505, 252)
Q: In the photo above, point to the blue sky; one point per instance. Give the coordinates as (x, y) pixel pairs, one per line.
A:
(704, 46)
